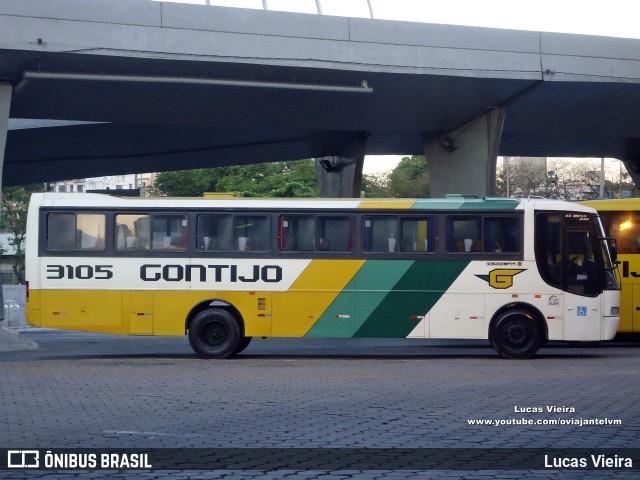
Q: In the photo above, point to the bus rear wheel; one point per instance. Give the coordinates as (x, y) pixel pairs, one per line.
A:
(214, 333)
(516, 334)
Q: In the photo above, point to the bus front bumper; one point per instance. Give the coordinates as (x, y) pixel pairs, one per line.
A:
(609, 327)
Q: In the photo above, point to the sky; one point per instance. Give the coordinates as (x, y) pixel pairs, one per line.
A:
(615, 18)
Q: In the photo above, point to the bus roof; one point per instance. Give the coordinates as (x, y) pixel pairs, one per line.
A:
(88, 200)
(614, 204)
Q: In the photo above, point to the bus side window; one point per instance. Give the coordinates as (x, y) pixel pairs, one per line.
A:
(418, 235)
(380, 234)
(308, 233)
(297, 233)
(215, 232)
(61, 231)
(133, 232)
(91, 231)
(334, 234)
(464, 234)
(251, 232)
(71, 231)
(169, 232)
(501, 234)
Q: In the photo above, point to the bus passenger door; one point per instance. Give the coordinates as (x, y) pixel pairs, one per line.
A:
(582, 318)
(138, 308)
(583, 284)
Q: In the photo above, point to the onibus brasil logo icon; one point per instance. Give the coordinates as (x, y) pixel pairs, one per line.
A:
(501, 278)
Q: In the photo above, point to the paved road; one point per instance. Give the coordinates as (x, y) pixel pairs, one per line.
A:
(95, 391)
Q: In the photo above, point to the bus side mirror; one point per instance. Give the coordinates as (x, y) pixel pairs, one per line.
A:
(613, 249)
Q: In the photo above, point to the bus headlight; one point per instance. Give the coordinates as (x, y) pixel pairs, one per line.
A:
(615, 311)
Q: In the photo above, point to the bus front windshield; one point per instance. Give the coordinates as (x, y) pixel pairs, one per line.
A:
(611, 277)
(572, 253)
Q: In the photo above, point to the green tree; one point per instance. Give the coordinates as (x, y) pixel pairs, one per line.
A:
(410, 178)
(15, 203)
(376, 185)
(274, 179)
(189, 183)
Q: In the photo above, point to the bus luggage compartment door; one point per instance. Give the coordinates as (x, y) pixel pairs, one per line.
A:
(138, 308)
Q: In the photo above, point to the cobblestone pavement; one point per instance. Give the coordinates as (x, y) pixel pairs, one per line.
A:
(100, 391)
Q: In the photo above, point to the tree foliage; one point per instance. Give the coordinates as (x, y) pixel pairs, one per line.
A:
(563, 178)
(189, 183)
(15, 204)
(376, 185)
(410, 178)
(274, 179)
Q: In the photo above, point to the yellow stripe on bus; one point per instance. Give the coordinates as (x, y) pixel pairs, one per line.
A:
(400, 204)
(164, 313)
(311, 294)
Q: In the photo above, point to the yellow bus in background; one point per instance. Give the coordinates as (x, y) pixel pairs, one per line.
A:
(621, 220)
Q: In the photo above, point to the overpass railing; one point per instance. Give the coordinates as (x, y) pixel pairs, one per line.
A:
(341, 8)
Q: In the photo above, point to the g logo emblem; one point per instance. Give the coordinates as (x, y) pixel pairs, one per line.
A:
(501, 278)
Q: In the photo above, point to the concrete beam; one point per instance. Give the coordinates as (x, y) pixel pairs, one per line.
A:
(464, 161)
(341, 176)
(5, 105)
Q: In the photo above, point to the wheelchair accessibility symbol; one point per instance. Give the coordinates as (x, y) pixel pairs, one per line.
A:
(582, 311)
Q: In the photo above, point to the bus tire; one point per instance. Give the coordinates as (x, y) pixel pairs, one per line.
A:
(242, 344)
(214, 333)
(516, 334)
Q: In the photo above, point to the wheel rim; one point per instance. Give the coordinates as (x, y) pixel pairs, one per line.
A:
(214, 334)
(517, 334)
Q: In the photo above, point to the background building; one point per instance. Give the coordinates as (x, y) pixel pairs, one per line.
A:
(132, 181)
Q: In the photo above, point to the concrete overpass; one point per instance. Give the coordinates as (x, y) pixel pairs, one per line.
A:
(173, 86)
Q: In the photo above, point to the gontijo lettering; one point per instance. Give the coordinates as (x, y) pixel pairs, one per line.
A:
(155, 272)
(215, 273)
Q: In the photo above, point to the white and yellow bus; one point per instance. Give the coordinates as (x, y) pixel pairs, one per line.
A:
(516, 272)
(621, 220)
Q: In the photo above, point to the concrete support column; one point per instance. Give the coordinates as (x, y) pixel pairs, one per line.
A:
(5, 105)
(633, 167)
(9, 341)
(464, 161)
(341, 176)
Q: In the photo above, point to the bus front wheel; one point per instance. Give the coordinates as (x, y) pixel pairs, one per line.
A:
(242, 344)
(214, 333)
(516, 334)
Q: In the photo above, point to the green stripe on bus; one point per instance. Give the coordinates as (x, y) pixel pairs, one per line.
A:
(468, 204)
(361, 296)
(412, 296)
